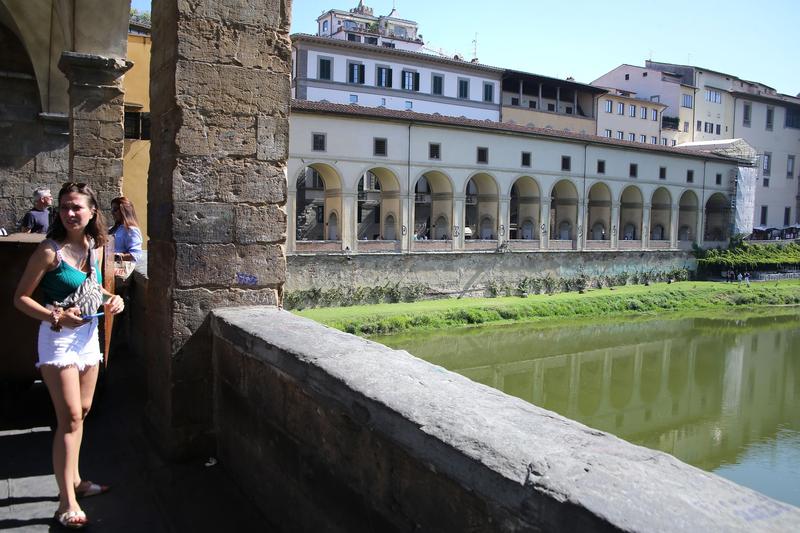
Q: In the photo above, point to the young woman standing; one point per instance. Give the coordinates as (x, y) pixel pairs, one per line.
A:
(68, 345)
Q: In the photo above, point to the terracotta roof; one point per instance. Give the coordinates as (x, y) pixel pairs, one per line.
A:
(489, 125)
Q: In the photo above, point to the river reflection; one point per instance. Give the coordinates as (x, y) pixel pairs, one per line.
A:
(721, 394)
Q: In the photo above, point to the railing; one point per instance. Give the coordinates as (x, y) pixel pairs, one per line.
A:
(524, 245)
(659, 245)
(318, 246)
(480, 244)
(597, 245)
(558, 244)
(432, 246)
(378, 246)
(629, 245)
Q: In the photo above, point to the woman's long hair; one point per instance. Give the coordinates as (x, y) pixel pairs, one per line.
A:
(96, 226)
(126, 212)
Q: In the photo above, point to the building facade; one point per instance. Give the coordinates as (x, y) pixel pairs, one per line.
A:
(711, 106)
(360, 25)
(376, 180)
(623, 116)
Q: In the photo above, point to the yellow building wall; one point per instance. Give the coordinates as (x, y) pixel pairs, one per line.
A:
(136, 156)
(542, 119)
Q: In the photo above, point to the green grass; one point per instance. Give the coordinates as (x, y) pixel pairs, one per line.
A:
(382, 319)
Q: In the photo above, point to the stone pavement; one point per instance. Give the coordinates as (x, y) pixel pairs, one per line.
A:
(148, 494)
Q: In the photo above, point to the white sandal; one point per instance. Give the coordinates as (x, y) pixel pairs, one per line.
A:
(72, 519)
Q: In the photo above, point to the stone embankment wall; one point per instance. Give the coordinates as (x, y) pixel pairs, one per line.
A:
(330, 432)
(469, 273)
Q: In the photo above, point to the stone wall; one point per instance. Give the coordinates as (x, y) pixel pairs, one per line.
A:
(469, 273)
(330, 432)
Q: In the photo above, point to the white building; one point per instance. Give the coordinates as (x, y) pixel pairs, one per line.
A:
(379, 180)
(345, 72)
(711, 106)
(360, 25)
(623, 116)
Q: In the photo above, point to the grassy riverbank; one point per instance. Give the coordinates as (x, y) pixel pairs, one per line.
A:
(384, 319)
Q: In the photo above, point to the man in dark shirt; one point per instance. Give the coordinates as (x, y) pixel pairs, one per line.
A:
(37, 220)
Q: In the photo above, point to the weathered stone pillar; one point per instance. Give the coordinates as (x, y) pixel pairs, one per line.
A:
(459, 220)
(96, 114)
(219, 96)
(349, 221)
(544, 223)
(580, 231)
(674, 222)
(405, 230)
(291, 220)
(646, 214)
(504, 219)
(614, 225)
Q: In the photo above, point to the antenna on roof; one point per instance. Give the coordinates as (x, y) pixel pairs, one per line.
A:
(475, 48)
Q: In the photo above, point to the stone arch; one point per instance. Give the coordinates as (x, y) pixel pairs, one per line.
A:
(377, 192)
(599, 212)
(660, 215)
(390, 227)
(433, 205)
(687, 216)
(481, 203)
(318, 195)
(525, 208)
(717, 218)
(563, 210)
(332, 226)
(630, 214)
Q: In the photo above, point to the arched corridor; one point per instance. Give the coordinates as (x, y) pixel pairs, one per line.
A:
(433, 210)
(481, 208)
(378, 210)
(598, 217)
(563, 215)
(525, 208)
(717, 218)
(318, 204)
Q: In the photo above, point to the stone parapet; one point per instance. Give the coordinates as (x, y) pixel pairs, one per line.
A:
(330, 432)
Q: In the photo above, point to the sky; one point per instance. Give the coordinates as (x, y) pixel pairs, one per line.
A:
(756, 41)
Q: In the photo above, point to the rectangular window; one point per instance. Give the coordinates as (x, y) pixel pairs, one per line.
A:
(686, 127)
(383, 102)
(763, 215)
(708, 127)
(352, 37)
(690, 176)
(718, 179)
(318, 142)
(643, 114)
(437, 84)
(551, 107)
(766, 163)
(790, 167)
(792, 118)
(379, 146)
(133, 126)
(699, 125)
(642, 138)
(383, 77)
(654, 115)
(488, 92)
(320, 214)
(387, 44)
(463, 88)
(601, 166)
(633, 170)
(765, 183)
(355, 73)
(410, 80)
(620, 108)
(687, 100)
(608, 133)
(434, 151)
(532, 105)
(526, 159)
(787, 214)
(718, 129)
(713, 96)
(514, 101)
(653, 140)
(353, 98)
(609, 106)
(632, 110)
(770, 118)
(324, 69)
(662, 173)
(371, 40)
(483, 155)
(566, 162)
(747, 114)
(632, 137)
(674, 142)
(409, 105)
(620, 135)
(568, 109)
(664, 141)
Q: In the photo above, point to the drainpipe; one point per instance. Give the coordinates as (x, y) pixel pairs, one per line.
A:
(702, 229)
(585, 209)
(411, 199)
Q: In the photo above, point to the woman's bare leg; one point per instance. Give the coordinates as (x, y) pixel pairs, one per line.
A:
(64, 387)
(88, 382)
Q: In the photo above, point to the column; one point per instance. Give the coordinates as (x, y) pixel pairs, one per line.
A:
(216, 193)
(96, 113)
(575, 103)
(646, 212)
(539, 102)
(406, 222)
(544, 224)
(520, 92)
(504, 219)
(349, 221)
(674, 222)
(701, 221)
(291, 219)
(614, 225)
(558, 99)
(580, 235)
(458, 221)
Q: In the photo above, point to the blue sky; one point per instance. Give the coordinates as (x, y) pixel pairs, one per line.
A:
(586, 38)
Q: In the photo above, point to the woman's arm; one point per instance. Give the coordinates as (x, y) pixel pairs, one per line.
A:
(39, 263)
(114, 303)
(133, 241)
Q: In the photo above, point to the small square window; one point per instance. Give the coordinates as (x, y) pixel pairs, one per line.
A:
(526, 159)
(532, 104)
(653, 140)
(566, 162)
(353, 98)
(434, 151)
(718, 179)
(632, 137)
(551, 107)
(409, 105)
(601, 166)
(633, 171)
(379, 146)
(765, 182)
(642, 138)
(620, 108)
(662, 173)
(318, 142)
(608, 133)
(690, 176)
(514, 101)
(620, 135)
(483, 155)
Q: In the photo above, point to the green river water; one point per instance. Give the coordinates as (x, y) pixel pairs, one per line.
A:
(722, 394)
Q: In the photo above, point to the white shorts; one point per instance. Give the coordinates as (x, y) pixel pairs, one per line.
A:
(79, 346)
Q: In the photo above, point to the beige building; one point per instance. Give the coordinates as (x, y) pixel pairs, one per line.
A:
(624, 117)
(377, 180)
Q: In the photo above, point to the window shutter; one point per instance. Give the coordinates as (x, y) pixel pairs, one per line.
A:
(389, 77)
(416, 81)
(361, 74)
